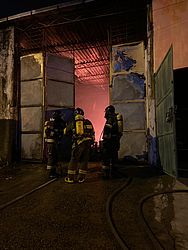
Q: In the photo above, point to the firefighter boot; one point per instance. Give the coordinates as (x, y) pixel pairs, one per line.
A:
(105, 172)
(53, 173)
(71, 176)
(81, 175)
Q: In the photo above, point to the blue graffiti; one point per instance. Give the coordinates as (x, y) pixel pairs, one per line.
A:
(137, 79)
(123, 62)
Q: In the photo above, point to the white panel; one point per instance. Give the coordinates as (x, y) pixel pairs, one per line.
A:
(31, 92)
(128, 57)
(31, 66)
(132, 144)
(59, 68)
(59, 75)
(59, 62)
(60, 94)
(127, 87)
(31, 146)
(133, 115)
(31, 118)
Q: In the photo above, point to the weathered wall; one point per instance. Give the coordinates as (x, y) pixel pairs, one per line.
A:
(150, 98)
(7, 96)
(170, 27)
(128, 96)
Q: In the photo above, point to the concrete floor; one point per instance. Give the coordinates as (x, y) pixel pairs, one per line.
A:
(73, 216)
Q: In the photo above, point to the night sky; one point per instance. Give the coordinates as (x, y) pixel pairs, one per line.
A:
(12, 7)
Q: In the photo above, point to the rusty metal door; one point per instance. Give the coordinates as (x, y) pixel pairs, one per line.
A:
(165, 115)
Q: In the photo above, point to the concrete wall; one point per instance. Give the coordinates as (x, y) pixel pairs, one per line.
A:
(170, 19)
(8, 97)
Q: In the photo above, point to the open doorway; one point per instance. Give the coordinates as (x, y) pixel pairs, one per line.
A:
(93, 98)
(66, 84)
(85, 32)
(180, 98)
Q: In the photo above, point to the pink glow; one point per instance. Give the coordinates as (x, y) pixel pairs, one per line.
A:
(93, 99)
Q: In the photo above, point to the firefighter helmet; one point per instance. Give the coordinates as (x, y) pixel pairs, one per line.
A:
(78, 111)
(56, 114)
(110, 110)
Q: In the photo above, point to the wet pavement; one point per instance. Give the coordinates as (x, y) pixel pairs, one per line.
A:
(74, 216)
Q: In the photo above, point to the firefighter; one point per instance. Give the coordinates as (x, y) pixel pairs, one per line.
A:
(112, 132)
(53, 133)
(83, 136)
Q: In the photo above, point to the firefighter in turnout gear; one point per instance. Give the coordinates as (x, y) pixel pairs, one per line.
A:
(112, 132)
(83, 136)
(53, 133)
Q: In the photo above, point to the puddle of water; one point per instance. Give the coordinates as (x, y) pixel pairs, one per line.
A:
(171, 211)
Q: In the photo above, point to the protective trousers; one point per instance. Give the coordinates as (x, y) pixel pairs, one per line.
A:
(110, 154)
(79, 160)
(52, 157)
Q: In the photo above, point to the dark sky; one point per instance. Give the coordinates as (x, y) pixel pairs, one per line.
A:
(12, 7)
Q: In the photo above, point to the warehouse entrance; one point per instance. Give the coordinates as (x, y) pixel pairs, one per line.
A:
(50, 82)
(84, 32)
(181, 113)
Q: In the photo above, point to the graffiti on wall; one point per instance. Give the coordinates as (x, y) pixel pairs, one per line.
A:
(127, 95)
(128, 60)
(138, 80)
(121, 60)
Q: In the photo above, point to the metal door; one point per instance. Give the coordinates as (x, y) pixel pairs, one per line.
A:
(47, 84)
(165, 115)
(128, 96)
(32, 106)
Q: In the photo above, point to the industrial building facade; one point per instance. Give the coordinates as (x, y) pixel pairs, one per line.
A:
(87, 54)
